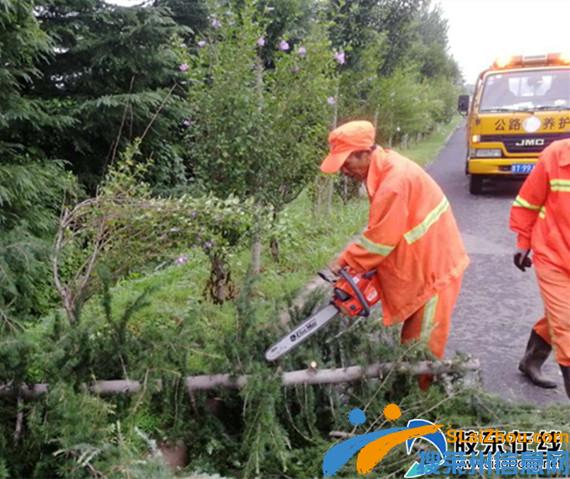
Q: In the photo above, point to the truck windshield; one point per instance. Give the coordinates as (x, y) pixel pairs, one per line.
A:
(527, 90)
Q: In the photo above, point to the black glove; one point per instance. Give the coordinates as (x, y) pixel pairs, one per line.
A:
(522, 260)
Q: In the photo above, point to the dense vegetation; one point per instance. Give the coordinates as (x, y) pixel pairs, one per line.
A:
(160, 206)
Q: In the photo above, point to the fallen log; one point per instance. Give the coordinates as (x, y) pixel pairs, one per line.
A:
(103, 388)
(336, 375)
(306, 376)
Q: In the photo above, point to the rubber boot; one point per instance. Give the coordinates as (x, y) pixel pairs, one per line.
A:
(537, 350)
(566, 375)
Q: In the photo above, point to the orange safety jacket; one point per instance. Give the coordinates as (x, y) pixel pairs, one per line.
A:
(541, 212)
(412, 239)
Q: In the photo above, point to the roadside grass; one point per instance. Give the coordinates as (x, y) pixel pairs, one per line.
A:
(307, 243)
(425, 151)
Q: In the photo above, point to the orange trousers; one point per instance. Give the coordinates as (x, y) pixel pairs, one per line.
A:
(432, 323)
(554, 326)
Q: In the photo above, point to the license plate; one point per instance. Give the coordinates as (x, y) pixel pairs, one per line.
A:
(522, 168)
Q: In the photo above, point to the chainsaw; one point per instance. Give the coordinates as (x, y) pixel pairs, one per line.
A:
(353, 295)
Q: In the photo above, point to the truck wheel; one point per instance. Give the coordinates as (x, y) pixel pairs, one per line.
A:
(475, 184)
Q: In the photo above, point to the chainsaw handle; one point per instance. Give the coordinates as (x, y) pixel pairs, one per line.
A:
(357, 292)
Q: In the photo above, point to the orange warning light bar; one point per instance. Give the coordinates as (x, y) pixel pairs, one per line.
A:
(518, 61)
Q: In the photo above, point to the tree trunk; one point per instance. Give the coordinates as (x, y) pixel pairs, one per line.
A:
(256, 238)
(329, 196)
(322, 205)
(274, 241)
(306, 376)
(318, 196)
(219, 287)
(330, 183)
(256, 250)
(274, 245)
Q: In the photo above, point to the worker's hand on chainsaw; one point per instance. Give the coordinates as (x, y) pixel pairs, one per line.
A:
(522, 259)
(336, 266)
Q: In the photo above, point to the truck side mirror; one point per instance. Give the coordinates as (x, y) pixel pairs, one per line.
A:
(463, 104)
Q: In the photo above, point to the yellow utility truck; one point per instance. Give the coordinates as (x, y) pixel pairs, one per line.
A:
(519, 106)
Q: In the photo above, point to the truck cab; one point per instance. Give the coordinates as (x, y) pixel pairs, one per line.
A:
(519, 106)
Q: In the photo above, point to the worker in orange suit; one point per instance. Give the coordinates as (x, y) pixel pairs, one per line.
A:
(412, 239)
(541, 218)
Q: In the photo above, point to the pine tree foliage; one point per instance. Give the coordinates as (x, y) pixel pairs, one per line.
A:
(192, 14)
(113, 70)
(30, 185)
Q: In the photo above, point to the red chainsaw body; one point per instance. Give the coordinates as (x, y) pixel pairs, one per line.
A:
(346, 297)
(353, 295)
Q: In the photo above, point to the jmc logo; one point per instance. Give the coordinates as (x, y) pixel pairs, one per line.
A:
(530, 142)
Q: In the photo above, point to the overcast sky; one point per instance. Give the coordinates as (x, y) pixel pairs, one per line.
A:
(481, 30)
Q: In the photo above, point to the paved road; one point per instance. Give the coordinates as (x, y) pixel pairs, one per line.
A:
(498, 303)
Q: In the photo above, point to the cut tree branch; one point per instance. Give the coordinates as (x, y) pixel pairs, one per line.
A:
(307, 376)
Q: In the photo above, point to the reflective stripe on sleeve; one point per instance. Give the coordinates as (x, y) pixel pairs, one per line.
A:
(376, 248)
(522, 203)
(560, 185)
(542, 213)
(418, 231)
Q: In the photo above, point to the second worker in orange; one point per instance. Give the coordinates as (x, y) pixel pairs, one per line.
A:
(541, 218)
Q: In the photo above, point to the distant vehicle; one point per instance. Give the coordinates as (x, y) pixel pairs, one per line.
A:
(519, 106)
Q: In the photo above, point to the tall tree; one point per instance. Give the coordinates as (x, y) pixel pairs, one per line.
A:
(30, 184)
(430, 45)
(356, 24)
(396, 20)
(113, 69)
(258, 132)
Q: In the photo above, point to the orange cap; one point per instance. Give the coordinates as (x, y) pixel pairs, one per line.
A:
(347, 138)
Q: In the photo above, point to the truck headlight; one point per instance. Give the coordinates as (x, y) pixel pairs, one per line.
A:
(487, 153)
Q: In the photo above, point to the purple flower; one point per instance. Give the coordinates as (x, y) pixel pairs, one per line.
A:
(187, 122)
(283, 46)
(339, 57)
(302, 52)
(184, 67)
(202, 43)
(182, 259)
(216, 23)
(331, 100)
(261, 42)
(193, 214)
(295, 69)
(208, 245)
